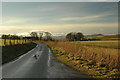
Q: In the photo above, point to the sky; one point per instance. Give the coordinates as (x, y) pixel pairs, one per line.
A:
(60, 18)
(60, 0)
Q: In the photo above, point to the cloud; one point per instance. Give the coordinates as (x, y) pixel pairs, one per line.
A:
(58, 34)
(86, 18)
(56, 28)
(24, 33)
(15, 20)
(100, 0)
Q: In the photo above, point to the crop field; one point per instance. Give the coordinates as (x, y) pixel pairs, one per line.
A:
(108, 38)
(98, 58)
(103, 44)
(13, 42)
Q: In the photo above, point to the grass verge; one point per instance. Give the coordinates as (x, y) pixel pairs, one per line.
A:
(9, 53)
(84, 65)
(98, 62)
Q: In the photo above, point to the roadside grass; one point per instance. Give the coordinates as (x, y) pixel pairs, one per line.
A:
(10, 53)
(96, 60)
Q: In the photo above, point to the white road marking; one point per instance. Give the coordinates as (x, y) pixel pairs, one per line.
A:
(49, 57)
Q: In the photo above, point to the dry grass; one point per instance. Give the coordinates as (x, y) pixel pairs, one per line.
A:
(106, 56)
(109, 37)
(102, 44)
(100, 54)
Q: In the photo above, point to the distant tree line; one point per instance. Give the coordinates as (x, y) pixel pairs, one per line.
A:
(39, 36)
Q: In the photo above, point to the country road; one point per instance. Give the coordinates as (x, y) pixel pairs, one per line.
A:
(44, 66)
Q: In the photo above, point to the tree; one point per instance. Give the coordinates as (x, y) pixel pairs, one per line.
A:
(40, 36)
(34, 35)
(21, 39)
(48, 35)
(9, 37)
(70, 36)
(4, 37)
(79, 36)
(73, 36)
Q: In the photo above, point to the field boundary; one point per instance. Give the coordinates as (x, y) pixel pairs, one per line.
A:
(10, 53)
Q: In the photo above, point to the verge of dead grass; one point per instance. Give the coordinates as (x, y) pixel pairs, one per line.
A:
(98, 62)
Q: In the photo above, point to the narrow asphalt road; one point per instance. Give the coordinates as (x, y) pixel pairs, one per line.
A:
(44, 66)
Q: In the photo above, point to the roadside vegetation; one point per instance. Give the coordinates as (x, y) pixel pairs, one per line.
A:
(97, 58)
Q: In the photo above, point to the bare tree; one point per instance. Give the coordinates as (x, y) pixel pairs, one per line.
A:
(34, 35)
(48, 35)
(40, 36)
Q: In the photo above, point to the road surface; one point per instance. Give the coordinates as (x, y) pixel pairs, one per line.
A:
(45, 66)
